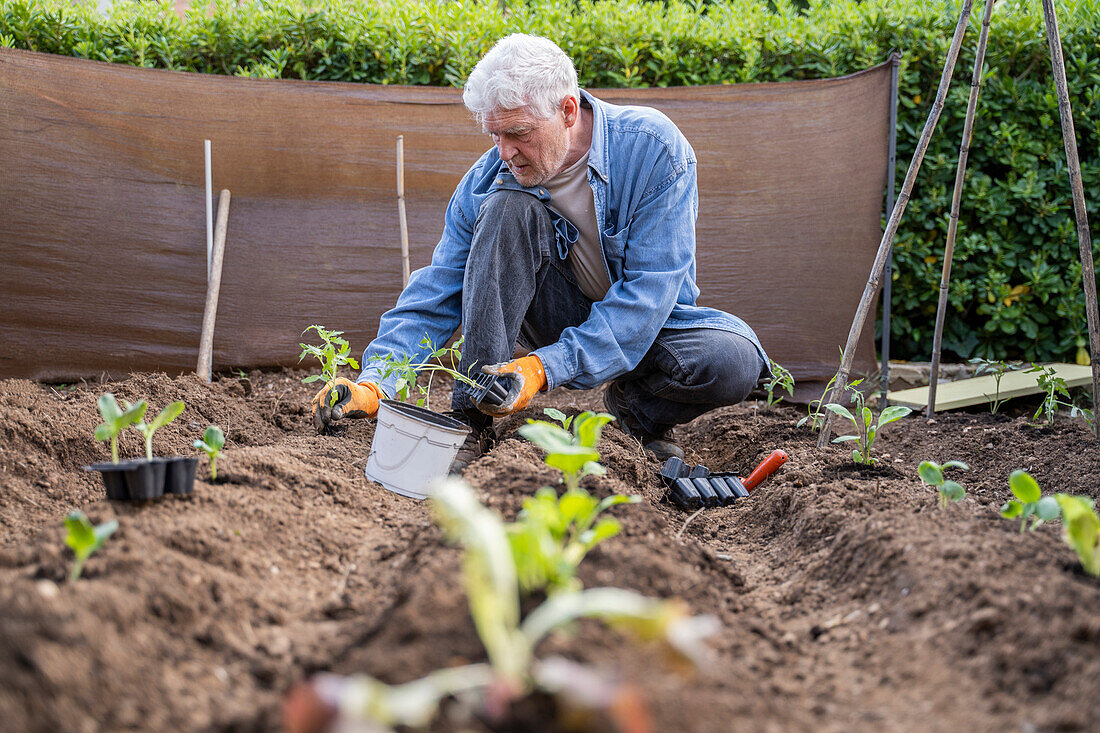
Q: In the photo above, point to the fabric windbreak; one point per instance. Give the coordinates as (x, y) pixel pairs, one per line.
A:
(103, 219)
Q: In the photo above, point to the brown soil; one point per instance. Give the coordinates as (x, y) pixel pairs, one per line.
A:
(848, 599)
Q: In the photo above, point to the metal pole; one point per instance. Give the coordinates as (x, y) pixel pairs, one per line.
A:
(209, 209)
(1084, 239)
(887, 275)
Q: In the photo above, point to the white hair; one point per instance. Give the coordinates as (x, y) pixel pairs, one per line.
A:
(521, 71)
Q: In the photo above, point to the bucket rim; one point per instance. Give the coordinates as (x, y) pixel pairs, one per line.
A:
(426, 416)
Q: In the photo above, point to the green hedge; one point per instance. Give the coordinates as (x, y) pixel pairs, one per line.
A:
(1016, 289)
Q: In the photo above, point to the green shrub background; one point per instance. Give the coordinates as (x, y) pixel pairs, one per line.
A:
(1016, 279)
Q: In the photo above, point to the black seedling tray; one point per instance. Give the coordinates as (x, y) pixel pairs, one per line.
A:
(696, 487)
(492, 389)
(142, 480)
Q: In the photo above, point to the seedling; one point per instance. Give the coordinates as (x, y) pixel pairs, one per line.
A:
(565, 420)
(211, 444)
(571, 452)
(1082, 529)
(781, 379)
(332, 355)
(167, 415)
(1029, 501)
(116, 419)
(85, 538)
(408, 373)
(492, 587)
(815, 414)
(552, 535)
(998, 369)
(931, 473)
(1052, 386)
(866, 426)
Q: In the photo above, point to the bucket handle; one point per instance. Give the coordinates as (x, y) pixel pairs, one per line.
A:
(400, 464)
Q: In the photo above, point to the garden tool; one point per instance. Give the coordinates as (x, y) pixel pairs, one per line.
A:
(695, 487)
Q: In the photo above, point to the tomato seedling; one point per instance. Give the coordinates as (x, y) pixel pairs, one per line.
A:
(1082, 529)
(211, 444)
(408, 372)
(116, 419)
(167, 415)
(867, 428)
(781, 379)
(333, 354)
(85, 538)
(931, 473)
(998, 369)
(1052, 386)
(1029, 501)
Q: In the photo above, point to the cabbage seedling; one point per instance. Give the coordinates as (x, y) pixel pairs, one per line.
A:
(167, 415)
(1082, 529)
(1029, 501)
(116, 419)
(571, 452)
(553, 534)
(782, 379)
(332, 355)
(211, 444)
(931, 473)
(866, 426)
(85, 538)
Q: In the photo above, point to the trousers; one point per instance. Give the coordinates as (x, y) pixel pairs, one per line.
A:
(517, 290)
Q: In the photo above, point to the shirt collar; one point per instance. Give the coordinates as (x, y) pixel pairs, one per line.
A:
(597, 153)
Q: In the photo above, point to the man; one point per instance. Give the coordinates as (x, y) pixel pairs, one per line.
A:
(573, 237)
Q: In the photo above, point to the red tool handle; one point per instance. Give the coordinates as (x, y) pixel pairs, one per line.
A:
(770, 465)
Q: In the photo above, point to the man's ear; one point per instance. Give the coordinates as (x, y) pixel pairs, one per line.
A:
(571, 108)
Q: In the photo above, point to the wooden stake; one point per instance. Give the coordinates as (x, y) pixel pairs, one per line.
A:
(213, 288)
(875, 280)
(956, 201)
(1069, 138)
(401, 210)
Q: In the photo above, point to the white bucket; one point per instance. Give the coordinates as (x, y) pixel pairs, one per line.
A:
(411, 447)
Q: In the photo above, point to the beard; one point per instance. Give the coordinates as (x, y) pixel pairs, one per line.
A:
(537, 171)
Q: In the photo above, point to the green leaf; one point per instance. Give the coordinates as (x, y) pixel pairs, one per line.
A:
(956, 464)
(1011, 509)
(81, 537)
(214, 437)
(842, 411)
(312, 378)
(605, 528)
(132, 414)
(547, 436)
(571, 459)
(892, 414)
(1047, 509)
(1082, 530)
(1024, 487)
(167, 415)
(555, 415)
(952, 491)
(845, 438)
(104, 432)
(930, 473)
(108, 408)
(592, 468)
(589, 425)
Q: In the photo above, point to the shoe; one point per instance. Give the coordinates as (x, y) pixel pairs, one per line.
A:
(660, 446)
(478, 442)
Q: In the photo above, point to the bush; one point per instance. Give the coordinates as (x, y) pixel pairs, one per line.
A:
(1015, 292)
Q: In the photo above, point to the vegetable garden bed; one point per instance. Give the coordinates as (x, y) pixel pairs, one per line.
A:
(848, 598)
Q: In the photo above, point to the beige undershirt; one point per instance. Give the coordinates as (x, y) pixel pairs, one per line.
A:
(571, 196)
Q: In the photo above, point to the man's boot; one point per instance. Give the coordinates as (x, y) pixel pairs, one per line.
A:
(481, 439)
(659, 445)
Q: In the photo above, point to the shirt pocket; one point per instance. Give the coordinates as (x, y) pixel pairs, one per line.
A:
(614, 248)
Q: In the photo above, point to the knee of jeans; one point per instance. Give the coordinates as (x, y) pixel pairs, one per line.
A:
(508, 206)
(731, 372)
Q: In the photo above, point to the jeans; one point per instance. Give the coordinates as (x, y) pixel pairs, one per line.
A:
(517, 290)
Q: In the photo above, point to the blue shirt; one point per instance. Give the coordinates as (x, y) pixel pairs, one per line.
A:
(643, 176)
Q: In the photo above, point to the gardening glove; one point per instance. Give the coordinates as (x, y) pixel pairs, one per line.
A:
(352, 400)
(527, 378)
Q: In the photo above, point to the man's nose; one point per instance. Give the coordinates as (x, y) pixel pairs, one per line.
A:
(506, 150)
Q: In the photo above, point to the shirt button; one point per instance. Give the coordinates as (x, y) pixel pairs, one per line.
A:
(498, 181)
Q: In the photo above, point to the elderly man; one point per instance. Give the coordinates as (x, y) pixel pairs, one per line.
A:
(573, 237)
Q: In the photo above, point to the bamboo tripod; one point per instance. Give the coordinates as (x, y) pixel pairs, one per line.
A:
(1083, 237)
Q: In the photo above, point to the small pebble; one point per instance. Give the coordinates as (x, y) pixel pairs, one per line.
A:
(47, 588)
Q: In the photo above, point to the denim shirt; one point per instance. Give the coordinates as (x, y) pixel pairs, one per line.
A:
(643, 176)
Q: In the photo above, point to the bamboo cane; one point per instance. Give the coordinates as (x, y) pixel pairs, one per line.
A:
(401, 210)
(874, 281)
(1069, 138)
(213, 288)
(956, 201)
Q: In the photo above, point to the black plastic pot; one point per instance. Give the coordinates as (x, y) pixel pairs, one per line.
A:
(142, 480)
(179, 474)
(492, 389)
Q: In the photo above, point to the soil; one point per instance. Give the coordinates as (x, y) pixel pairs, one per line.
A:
(848, 599)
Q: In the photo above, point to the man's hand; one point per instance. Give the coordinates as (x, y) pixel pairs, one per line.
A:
(527, 378)
(352, 400)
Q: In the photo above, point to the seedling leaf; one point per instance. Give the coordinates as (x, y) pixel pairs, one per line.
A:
(930, 473)
(84, 538)
(1024, 487)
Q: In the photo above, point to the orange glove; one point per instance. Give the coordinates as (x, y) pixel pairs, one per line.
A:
(527, 378)
(352, 400)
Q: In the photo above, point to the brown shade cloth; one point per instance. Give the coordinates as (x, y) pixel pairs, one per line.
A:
(103, 225)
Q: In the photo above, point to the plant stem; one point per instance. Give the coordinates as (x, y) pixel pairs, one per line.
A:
(78, 568)
(213, 468)
(149, 447)
(114, 449)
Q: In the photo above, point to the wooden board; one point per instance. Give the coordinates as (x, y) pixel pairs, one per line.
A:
(976, 390)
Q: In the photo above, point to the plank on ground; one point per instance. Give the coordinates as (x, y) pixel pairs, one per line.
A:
(976, 390)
